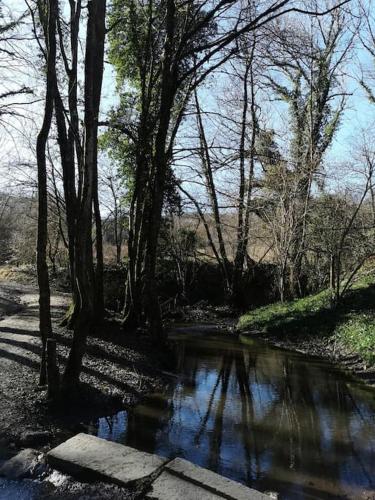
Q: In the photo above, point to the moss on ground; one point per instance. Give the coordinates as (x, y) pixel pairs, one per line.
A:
(352, 322)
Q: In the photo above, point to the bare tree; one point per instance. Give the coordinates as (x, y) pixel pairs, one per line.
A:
(231, 149)
(114, 200)
(342, 226)
(306, 64)
(176, 46)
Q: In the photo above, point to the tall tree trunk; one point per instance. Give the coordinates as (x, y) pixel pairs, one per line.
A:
(211, 191)
(246, 185)
(244, 194)
(84, 270)
(141, 302)
(66, 146)
(133, 307)
(298, 247)
(71, 150)
(45, 326)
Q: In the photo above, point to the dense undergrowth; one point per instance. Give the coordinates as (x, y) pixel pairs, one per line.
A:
(352, 322)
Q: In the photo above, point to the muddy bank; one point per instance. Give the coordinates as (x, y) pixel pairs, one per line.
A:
(326, 347)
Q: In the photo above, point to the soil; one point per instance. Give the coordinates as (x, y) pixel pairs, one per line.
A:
(118, 370)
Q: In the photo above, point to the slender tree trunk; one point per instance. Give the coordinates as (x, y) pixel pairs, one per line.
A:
(118, 249)
(133, 307)
(241, 238)
(45, 325)
(70, 146)
(245, 194)
(299, 241)
(99, 285)
(211, 191)
(66, 146)
(332, 279)
(117, 229)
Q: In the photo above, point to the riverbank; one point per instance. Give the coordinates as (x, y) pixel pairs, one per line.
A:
(344, 335)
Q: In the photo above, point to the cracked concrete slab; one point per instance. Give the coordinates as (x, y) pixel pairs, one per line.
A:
(170, 487)
(88, 456)
(222, 486)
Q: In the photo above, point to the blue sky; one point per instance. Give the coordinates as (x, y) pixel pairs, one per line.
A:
(359, 114)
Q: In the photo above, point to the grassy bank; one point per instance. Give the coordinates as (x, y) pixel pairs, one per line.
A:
(351, 325)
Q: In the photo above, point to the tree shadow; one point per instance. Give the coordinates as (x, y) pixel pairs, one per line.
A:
(23, 360)
(18, 331)
(34, 348)
(86, 369)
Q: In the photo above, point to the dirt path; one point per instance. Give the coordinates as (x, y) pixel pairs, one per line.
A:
(117, 369)
(19, 352)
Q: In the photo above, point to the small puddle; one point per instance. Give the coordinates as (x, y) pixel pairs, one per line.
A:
(266, 417)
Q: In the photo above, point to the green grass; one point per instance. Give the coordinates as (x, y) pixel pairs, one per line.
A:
(282, 316)
(352, 322)
(358, 333)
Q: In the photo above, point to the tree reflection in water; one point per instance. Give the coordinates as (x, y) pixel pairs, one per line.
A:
(266, 417)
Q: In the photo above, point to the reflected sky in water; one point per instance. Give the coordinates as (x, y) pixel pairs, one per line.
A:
(271, 419)
(19, 490)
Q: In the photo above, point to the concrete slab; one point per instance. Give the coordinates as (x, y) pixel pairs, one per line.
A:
(216, 484)
(170, 487)
(91, 457)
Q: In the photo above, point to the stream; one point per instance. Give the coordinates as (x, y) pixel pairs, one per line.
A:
(266, 417)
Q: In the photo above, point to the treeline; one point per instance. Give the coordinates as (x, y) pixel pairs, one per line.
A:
(211, 147)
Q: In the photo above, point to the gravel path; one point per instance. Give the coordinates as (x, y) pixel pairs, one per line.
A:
(117, 369)
(19, 348)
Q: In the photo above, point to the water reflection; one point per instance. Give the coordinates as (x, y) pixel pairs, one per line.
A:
(269, 418)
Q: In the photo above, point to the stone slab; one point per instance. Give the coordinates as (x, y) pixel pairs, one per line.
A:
(91, 457)
(216, 484)
(168, 486)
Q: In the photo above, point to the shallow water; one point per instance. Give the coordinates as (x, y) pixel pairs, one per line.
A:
(266, 417)
(19, 490)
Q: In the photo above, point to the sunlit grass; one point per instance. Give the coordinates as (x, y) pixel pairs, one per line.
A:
(352, 322)
(358, 333)
(280, 315)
